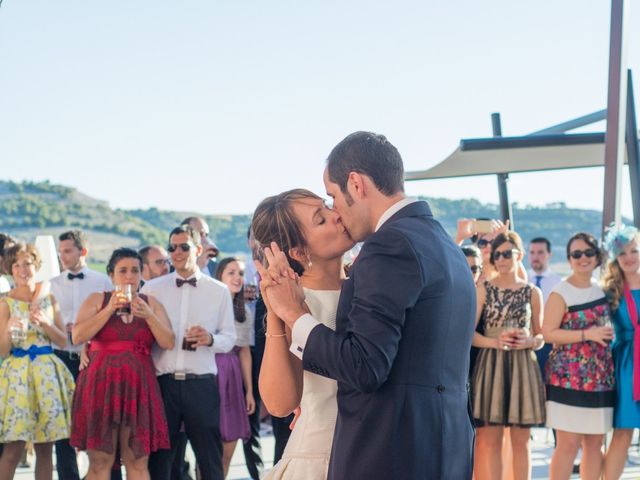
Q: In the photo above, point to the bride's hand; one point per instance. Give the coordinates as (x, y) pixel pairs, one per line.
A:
(296, 415)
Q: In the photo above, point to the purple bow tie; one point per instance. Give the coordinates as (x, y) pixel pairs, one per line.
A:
(191, 281)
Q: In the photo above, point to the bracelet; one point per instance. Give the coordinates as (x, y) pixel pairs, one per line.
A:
(275, 335)
(582, 335)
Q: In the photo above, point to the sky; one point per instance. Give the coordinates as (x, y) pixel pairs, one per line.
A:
(211, 106)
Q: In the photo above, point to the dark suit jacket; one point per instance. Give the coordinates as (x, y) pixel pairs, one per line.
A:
(400, 354)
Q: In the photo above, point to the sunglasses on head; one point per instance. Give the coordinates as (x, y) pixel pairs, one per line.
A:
(475, 269)
(185, 247)
(482, 243)
(507, 254)
(577, 254)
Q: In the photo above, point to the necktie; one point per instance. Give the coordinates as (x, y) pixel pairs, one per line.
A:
(191, 281)
(538, 280)
(71, 276)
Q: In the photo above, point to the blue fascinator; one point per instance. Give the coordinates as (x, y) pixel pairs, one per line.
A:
(617, 237)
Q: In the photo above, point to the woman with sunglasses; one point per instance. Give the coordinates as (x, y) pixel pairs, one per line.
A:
(622, 286)
(579, 371)
(507, 389)
(117, 406)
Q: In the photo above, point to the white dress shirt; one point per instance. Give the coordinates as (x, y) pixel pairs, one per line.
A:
(208, 305)
(71, 293)
(303, 326)
(548, 280)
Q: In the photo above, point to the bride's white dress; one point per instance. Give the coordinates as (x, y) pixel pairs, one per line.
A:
(306, 456)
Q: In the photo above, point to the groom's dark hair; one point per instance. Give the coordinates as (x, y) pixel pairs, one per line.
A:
(369, 154)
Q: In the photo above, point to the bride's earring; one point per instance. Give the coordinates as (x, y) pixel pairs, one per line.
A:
(309, 262)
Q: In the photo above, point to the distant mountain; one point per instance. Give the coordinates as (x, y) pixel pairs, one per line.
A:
(31, 208)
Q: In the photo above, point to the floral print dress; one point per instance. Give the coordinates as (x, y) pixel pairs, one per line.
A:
(36, 388)
(580, 376)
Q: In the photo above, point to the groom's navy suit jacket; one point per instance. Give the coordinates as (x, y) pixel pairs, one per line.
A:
(400, 354)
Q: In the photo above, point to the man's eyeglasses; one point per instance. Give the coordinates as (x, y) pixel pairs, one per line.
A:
(507, 254)
(475, 268)
(483, 242)
(161, 262)
(577, 254)
(185, 247)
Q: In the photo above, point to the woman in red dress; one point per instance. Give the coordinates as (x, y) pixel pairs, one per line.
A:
(117, 406)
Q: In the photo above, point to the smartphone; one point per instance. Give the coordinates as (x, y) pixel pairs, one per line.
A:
(482, 225)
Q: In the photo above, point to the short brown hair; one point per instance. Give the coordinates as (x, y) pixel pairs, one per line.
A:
(77, 236)
(274, 221)
(188, 229)
(11, 255)
(510, 237)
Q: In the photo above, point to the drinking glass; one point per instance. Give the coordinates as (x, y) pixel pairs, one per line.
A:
(186, 344)
(124, 311)
(19, 333)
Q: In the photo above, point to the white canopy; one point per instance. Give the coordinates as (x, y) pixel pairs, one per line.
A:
(518, 154)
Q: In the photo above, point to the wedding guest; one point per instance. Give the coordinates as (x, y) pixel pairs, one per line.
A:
(70, 289)
(5, 242)
(207, 260)
(35, 386)
(201, 314)
(235, 382)
(507, 387)
(579, 371)
(622, 286)
(474, 259)
(541, 275)
(252, 448)
(155, 262)
(118, 406)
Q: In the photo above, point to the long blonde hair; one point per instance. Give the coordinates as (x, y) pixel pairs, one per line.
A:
(613, 283)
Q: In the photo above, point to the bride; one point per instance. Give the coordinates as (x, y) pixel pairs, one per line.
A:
(314, 240)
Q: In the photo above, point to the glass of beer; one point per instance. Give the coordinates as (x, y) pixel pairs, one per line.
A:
(124, 291)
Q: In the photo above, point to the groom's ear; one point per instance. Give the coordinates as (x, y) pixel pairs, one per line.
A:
(356, 185)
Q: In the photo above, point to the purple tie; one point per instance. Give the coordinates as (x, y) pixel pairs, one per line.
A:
(191, 281)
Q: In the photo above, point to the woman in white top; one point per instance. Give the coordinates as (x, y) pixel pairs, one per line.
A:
(314, 241)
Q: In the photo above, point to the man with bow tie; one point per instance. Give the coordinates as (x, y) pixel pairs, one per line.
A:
(201, 314)
(71, 288)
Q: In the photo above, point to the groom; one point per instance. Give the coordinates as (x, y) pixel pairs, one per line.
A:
(405, 321)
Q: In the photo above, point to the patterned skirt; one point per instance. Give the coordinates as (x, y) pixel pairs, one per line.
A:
(507, 389)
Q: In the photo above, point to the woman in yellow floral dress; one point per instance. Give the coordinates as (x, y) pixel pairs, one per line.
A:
(36, 389)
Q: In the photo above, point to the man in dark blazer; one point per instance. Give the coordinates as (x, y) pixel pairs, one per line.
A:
(405, 322)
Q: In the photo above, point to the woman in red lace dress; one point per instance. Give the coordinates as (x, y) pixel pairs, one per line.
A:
(117, 406)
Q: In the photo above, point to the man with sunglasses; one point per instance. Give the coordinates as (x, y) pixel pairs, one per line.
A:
(155, 262)
(201, 314)
(208, 259)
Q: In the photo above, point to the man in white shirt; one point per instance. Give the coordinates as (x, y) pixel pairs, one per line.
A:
(539, 273)
(542, 277)
(201, 314)
(70, 289)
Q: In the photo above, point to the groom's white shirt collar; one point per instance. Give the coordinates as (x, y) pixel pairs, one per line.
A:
(393, 209)
(306, 323)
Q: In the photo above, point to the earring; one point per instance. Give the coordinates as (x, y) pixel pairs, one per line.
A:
(309, 262)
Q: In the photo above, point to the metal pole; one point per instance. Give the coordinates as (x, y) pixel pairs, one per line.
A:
(503, 178)
(616, 112)
(633, 151)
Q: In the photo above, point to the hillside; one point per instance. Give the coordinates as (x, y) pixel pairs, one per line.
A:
(30, 208)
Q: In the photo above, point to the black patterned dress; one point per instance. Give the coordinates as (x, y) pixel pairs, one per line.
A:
(506, 385)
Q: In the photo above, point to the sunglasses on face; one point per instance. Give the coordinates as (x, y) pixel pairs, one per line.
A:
(577, 254)
(185, 247)
(507, 254)
(475, 269)
(482, 243)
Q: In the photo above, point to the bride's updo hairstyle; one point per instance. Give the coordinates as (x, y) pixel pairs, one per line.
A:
(274, 221)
